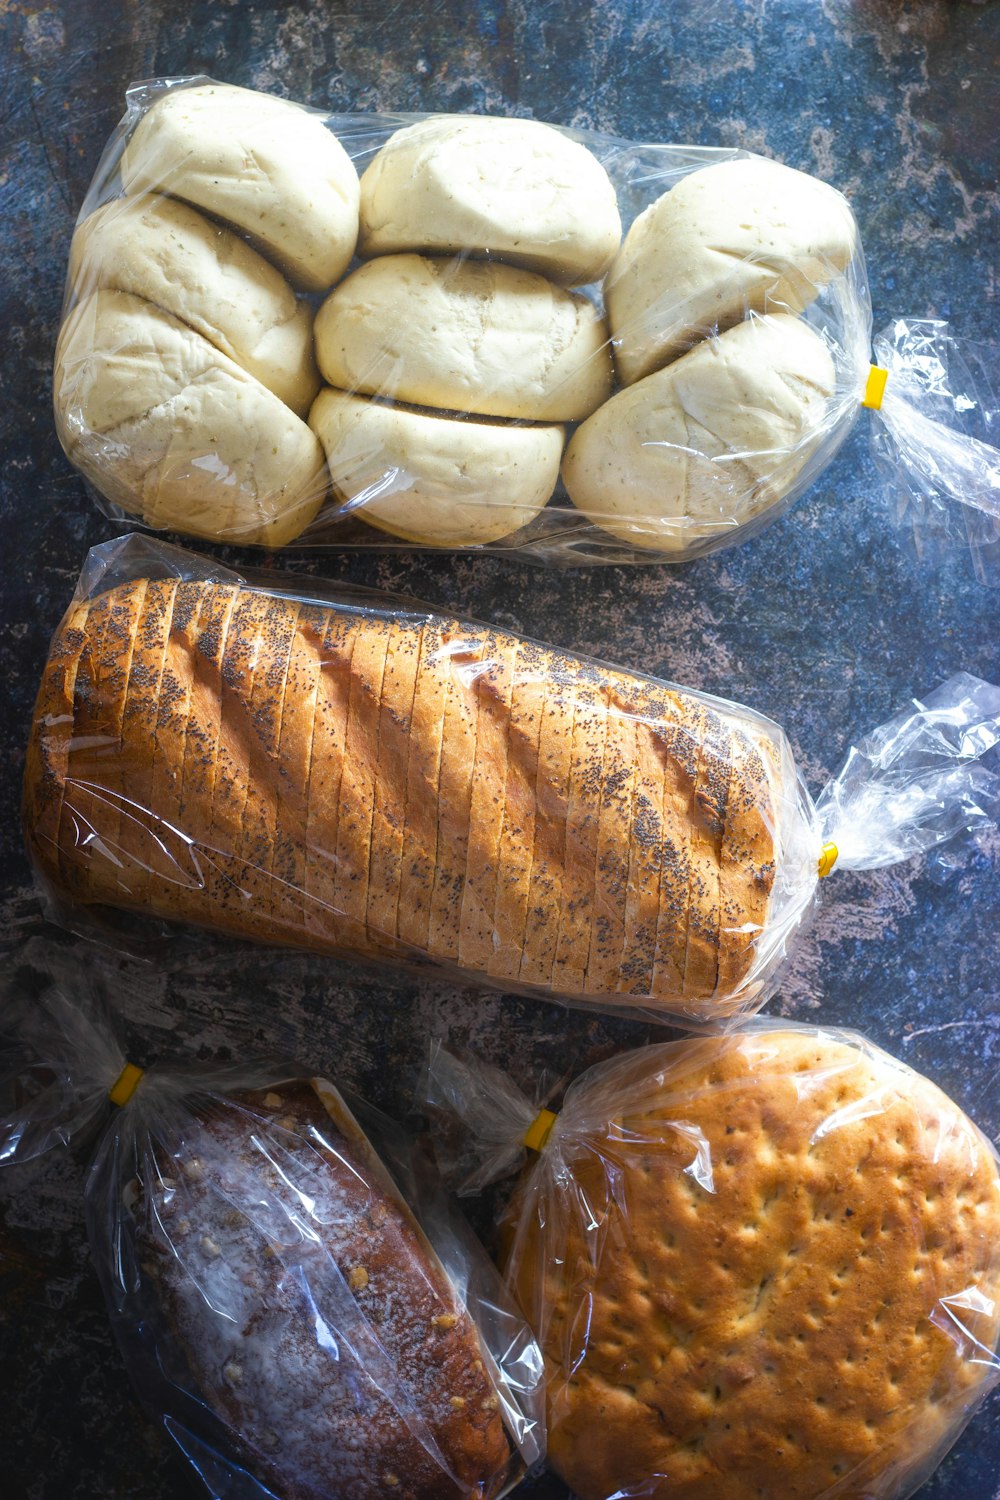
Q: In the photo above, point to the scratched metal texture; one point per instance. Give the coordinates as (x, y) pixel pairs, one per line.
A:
(823, 622)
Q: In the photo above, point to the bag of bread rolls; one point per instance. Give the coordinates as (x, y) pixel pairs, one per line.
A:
(342, 771)
(766, 1263)
(469, 331)
(301, 1329)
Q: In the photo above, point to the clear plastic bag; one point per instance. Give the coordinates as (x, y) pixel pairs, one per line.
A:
(301, 1327)
(760, 1263)
(342, 771)
(477, 329)
(940, 412)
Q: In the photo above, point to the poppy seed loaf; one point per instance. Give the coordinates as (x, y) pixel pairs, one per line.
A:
(398, 785)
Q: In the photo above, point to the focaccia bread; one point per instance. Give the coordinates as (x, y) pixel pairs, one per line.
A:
(516, 190)
(767, 1264)
(397, 1379)
(704, 446)
(207, 277)
(739, 237)
(263, 164)
(404, 786)
(431, 477)
(174, 431)
(465, 335)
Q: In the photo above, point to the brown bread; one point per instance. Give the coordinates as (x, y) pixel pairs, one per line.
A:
(391, 1400)
(395, 785)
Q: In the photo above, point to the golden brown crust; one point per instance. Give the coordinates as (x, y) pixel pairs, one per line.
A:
(780, 1326)
(307, 1422)
(391, 785)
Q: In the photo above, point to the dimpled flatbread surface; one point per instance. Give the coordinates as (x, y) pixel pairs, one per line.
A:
(806, 1328)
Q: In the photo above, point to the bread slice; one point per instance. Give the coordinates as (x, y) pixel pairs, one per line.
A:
(389, 812)
(494, 688)
(516, 842)
(47, 758)
(558, 699)
(465, 649)
(293, 768)
(141, 826)
(328, 749)
(578, 904)
(423, 775)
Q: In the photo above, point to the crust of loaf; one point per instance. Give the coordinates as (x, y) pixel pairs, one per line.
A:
(772, 1335)
(309, 1423)
(388, 786)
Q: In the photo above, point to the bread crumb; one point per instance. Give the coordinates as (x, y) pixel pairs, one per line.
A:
(357, 1278)
(457, 1402)
(444, 1320)
(233, 1372)
(209, 1246)
(273, 1101)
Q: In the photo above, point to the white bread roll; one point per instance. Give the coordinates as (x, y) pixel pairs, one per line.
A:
(706, 444)
(207, 277)
(263, 164)
(172, 430)
(744, 235)
(435, 480)
(517, 190)
(465, 335)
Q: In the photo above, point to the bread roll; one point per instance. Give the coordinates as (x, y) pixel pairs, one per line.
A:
(172, 430)
(207, 277)
(516, 190)
(407, 787)
(760, 1268)
(702, 447)
(338, 1356)
(267, 166)
(741, 236)
(467, 336)
(434, 479)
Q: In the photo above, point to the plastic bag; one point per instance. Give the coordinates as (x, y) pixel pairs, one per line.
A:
(276, 1303)
(350, 773)
(765, 1263)
(494, 308)
(940, 411)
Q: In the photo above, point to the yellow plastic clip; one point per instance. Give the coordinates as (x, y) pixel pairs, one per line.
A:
(827, 859)
(125, 1084)
(875, 387)
(539, 1130)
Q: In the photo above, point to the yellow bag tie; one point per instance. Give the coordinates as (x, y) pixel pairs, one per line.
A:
(125, 1084)
(827, 859)
(875, 387)
(539, 1130)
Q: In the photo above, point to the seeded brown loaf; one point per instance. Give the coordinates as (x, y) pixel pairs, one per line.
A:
(399, 1377)
(400, 785)
(763, 1276)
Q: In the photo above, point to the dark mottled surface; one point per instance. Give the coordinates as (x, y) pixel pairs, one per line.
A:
(822, 622)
